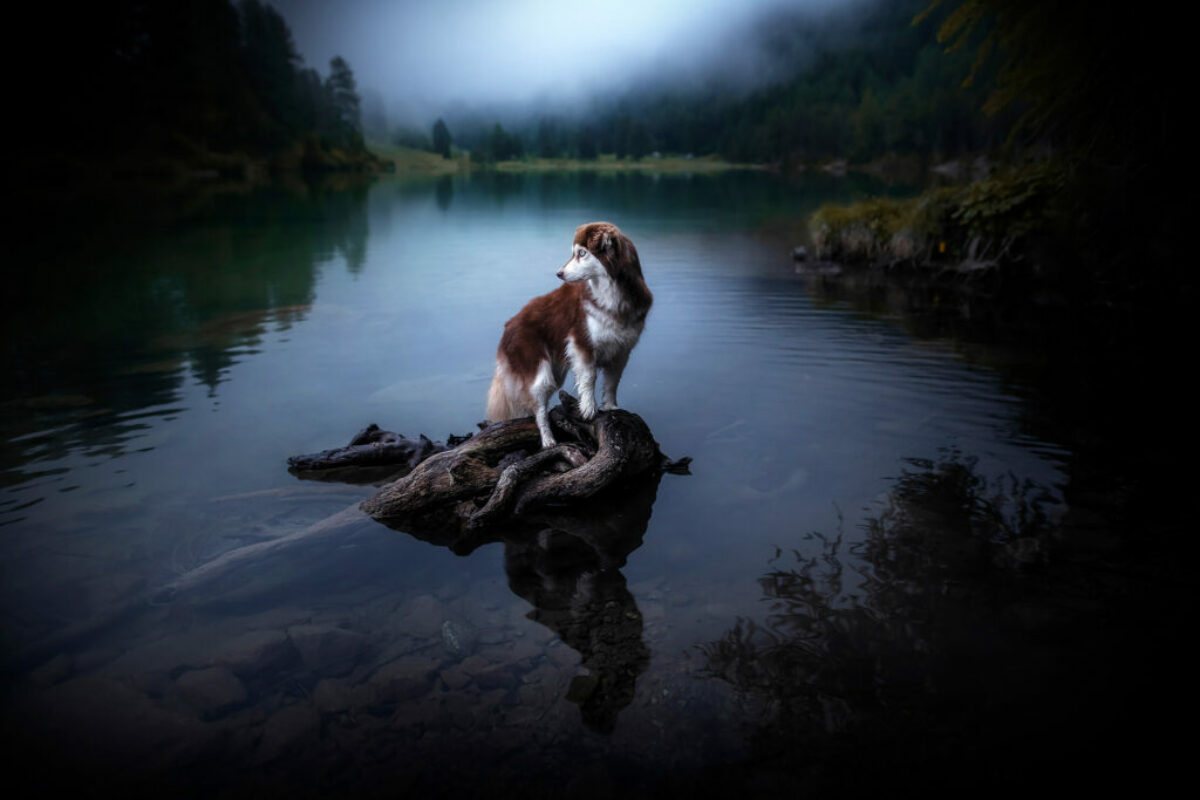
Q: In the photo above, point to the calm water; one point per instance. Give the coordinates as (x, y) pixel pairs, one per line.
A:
(894, 560)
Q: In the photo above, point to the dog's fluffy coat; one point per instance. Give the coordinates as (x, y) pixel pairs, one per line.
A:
(588, 324)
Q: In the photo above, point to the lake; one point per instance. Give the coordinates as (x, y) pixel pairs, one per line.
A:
(918, 545)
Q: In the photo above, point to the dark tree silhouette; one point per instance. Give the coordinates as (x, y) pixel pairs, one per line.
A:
(587, 144)
(153, 87)
(272, 64)
(547, 138)
(441, 138)
(345, 103)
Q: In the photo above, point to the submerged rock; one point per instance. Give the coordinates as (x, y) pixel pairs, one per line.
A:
(211, 691)
(326, 649)
(423, 616)
(288, 729)
(334, 695)
(257, 652)
(459, 638)
(406, 678)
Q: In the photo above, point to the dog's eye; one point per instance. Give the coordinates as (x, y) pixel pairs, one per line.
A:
(581, 254)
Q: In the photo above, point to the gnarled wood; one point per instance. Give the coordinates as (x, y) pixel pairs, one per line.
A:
(370, 447)
(501, 472)
(501, 500)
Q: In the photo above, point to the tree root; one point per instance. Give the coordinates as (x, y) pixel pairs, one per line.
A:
(501, 473)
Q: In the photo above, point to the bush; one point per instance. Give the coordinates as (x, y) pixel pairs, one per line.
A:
(984, 223)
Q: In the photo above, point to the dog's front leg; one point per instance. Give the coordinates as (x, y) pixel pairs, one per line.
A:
(612, 379)
(585, 384)
(585, 379)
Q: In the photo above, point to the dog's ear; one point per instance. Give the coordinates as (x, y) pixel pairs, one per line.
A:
(627, 254)
(608, 243)
(614, 244)
(604, 238)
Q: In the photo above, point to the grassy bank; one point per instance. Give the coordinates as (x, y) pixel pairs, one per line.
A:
(410, 161)
(610, 163)
(985, 224)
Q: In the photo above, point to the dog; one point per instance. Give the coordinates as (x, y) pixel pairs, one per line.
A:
(589, 324)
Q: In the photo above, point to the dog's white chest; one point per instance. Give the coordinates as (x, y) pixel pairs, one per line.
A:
(611, 339)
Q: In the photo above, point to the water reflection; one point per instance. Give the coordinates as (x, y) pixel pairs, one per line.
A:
(178, 289)
(567, 563)
(444, 192)
(750, 195)
(976, 644)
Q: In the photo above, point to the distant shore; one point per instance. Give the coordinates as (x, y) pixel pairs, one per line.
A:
(410, 161)
(201, 166)
(889, 166)
(180, 169)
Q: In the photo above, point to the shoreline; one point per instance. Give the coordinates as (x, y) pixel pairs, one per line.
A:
(410, 161)
(304, 160)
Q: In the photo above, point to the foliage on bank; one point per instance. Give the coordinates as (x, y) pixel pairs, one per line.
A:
(985, 224)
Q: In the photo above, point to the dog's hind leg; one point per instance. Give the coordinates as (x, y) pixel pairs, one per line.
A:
(542, 389)
(612, 379)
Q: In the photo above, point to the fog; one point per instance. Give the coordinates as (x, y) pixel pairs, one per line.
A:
(422, 58)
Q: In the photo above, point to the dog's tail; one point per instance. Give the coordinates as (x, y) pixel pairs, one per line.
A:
(499, 406)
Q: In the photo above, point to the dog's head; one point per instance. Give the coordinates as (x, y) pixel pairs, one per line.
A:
(601, 249)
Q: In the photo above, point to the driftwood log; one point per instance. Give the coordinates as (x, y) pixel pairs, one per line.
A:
(501, 472)
(370, 447)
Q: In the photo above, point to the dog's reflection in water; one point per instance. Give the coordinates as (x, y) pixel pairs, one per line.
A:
(588, 605)
(567, 564)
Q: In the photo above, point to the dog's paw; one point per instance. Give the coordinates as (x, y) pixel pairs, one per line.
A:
(609, 406)
(588, 410)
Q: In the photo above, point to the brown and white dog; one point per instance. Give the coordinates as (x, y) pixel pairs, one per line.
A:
(589, 323)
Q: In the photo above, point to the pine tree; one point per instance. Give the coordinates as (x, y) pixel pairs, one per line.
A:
(343, 96)
(587, 144)
(441, 138)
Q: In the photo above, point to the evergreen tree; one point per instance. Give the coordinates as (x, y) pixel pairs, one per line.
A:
(190, 78)
(441, 138)
(547, 138)
(587, 144)
(272, 64)
(315, 113)
(504, 146)
(638, 144)
(343, 97)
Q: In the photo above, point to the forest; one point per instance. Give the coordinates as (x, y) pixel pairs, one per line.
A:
(155, 89)
(915, 77)
(219, 89)
(851, 86)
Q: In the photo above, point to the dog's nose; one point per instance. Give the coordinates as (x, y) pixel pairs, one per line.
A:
(559, 274)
